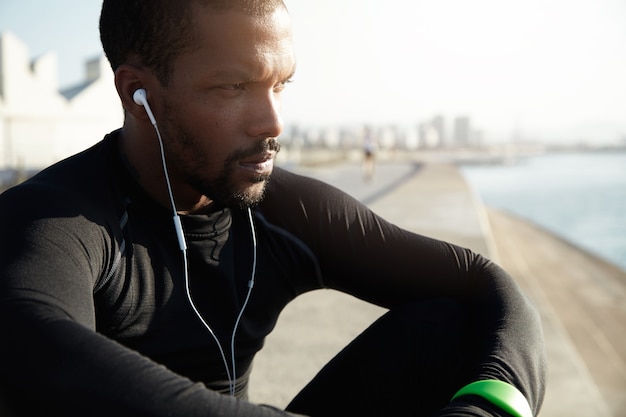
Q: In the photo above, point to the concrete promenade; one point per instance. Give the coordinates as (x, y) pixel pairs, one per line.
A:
(580, 297)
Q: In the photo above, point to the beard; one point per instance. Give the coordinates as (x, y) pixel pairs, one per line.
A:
(223, 189)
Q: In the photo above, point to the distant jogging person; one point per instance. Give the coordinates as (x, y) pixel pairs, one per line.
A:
(141, 276)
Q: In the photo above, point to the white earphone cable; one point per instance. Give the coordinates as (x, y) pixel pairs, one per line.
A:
(245, 303)
(231, 373)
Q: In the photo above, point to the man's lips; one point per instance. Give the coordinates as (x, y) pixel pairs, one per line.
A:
(260, 164)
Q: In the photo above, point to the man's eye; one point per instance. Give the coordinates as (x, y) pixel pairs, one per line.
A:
(281, 85)
(236, 86)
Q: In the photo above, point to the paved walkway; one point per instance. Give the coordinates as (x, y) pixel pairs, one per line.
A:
(580, 298)
(582, 302)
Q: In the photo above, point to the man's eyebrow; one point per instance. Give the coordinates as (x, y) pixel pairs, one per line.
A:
(231, 75)
(242, 75)
(239, 76)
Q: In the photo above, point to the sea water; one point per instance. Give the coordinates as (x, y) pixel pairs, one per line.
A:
(580, 197)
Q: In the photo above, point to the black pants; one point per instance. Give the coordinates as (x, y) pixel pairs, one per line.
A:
(411, 361)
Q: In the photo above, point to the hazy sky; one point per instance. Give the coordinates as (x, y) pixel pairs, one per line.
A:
(546, 68)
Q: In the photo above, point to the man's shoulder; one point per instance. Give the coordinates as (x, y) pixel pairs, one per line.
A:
(284, 179)
(285, 182)
(79, 180)
(300, 195)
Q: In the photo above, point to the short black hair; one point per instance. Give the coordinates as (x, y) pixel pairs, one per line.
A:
(154, 32)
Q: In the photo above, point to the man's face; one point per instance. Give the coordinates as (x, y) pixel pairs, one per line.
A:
(220, 109)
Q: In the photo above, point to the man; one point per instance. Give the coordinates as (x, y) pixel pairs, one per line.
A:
(140, 277)
(369, 154)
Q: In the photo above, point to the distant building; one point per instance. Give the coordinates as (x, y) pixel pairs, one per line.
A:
(439, 125)
(462, 132)
(432, 134)
(39, 124)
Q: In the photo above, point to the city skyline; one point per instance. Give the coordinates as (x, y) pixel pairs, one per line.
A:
(540, 70)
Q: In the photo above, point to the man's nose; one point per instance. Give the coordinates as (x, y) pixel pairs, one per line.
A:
(265, 116)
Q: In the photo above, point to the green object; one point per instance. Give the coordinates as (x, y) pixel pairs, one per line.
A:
(499, 393)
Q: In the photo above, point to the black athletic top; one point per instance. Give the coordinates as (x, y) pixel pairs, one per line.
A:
(95, 319)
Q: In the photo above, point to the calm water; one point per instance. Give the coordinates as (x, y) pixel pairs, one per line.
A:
(578, 196)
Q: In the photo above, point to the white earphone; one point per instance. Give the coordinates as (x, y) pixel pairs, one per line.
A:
(140, 98)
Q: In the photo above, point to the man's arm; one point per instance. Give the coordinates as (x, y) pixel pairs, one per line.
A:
(53, 360)
(364, 255)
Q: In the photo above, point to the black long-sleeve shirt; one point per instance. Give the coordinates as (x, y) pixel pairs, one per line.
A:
(94, 315)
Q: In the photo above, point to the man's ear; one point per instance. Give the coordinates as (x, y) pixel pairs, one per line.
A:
(128, 79)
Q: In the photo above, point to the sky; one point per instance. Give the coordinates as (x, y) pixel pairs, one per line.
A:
(536, 69)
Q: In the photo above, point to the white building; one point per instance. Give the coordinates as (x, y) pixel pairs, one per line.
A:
(39, 124)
